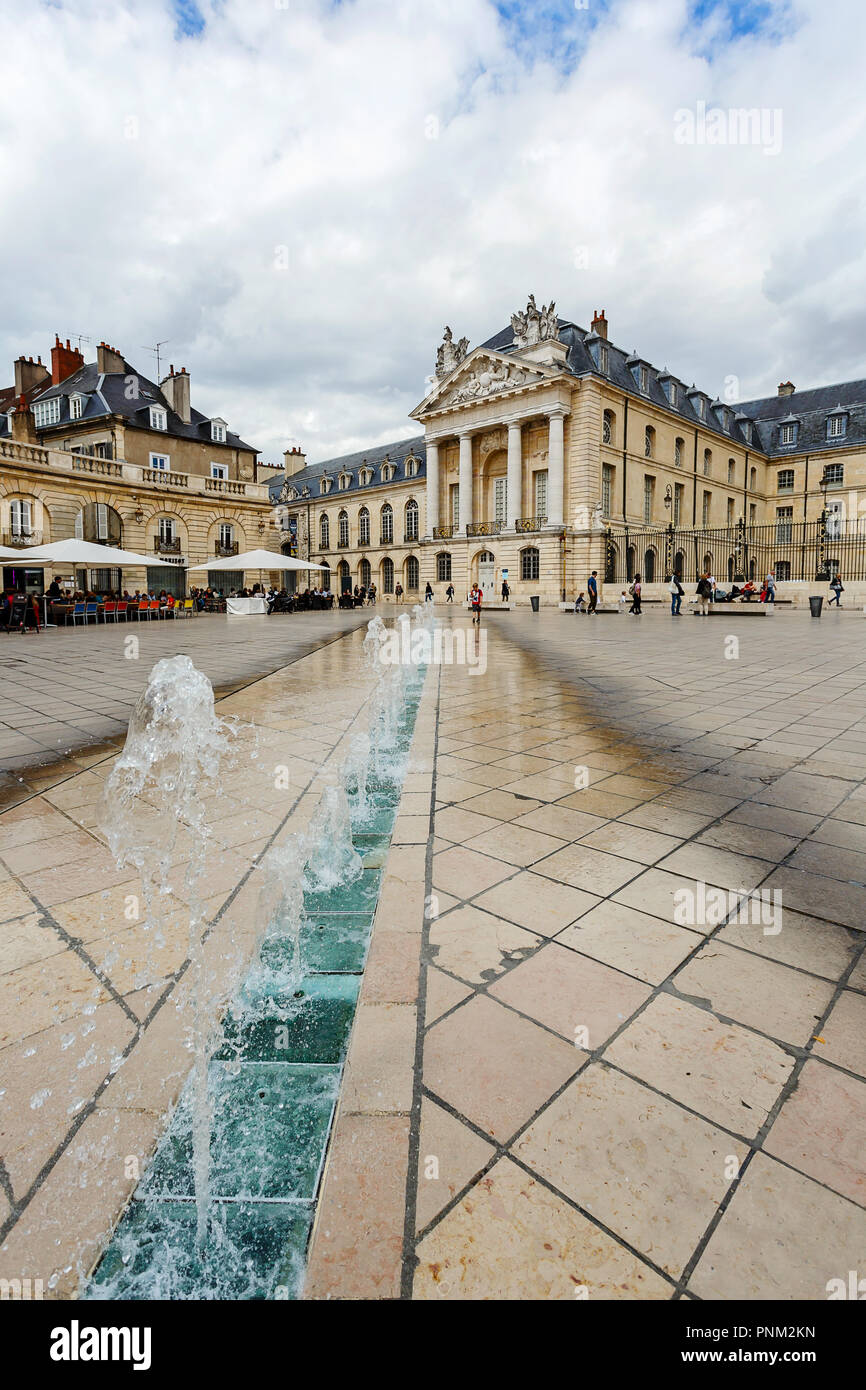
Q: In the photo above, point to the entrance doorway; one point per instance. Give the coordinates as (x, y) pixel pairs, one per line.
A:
(487, 574)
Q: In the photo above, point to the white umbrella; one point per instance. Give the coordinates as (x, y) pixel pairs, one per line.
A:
(87, 554)
(258, 560)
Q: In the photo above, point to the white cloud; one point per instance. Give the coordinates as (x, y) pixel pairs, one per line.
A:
(155, 188)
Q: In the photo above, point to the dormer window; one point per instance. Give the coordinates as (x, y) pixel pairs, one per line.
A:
(77, 403)
(158, 418)
(387, 472)
(788, 433)
(673, 395)
(604, 358)
(46, 412)
(837, 425)
(324, 485)
(218, 431)
(344, 482)
(644, 380)
(365, 477)
(702, 408)
(411, 467)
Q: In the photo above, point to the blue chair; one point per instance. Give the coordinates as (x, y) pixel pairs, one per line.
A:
(91, 610)
(79, 612)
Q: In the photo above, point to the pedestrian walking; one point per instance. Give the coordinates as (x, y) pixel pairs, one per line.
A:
(838, 589)
(705, 592)
(449, 594)
(770, 588)
(475, 598)
(506, 592)
(428, 593)
(635, 591)
(592, 590)
(398, 591)
(677, 591)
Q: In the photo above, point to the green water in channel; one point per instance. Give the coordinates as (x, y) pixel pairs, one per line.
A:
(274, 1084)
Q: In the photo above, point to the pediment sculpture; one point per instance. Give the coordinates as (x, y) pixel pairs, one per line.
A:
(534, 325)
(450, 354)
(486, 378)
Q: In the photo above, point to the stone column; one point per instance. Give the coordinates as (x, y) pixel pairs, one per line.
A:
(555, 467)
(514, 490)
(432, 486)
(465, 478)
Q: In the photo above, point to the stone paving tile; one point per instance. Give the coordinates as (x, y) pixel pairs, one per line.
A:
(646, 846)
(476, 946)
(452, 1155)
(635, 1161)
(464, 873)
(762, 994)
(821, 1130)
(818, 896)
(539, 904)
(590, 869)
(511, 1238)
(632, 941)
(494, 1067)
(844, 1033)
(782, 1237)
(820, 948)
(443, 994)
(581, 999)
(515, 844)
(729, 1075)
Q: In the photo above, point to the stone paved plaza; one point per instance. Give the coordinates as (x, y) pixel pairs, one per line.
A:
(558, 1083)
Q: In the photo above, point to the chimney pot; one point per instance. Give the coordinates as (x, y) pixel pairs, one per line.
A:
(599, 323)
(786, 388)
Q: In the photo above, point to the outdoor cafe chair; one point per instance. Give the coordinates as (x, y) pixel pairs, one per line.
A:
(78, 611)
(153, 608)
(91, 610)
(109, 610)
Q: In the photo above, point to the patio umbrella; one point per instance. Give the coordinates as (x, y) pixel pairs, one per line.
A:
(258, 560)
(86, 554)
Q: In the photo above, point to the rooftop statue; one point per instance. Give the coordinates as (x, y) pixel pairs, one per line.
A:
(534, 325)
(450, 354)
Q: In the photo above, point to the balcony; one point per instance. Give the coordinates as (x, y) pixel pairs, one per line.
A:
(223, 552)
(225, 485)
(163, 546)
(22, 538)
(386, 540)
(443, 533)
(410, 538)
(343, 544)
(484, 528)
(529, 523)
(164, 478)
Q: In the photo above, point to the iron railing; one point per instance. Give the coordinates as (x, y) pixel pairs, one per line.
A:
(791, 550)
(22, 538)
(443, 533)
(483, 528)
(529, 523)
(224, 551)
(163, 546)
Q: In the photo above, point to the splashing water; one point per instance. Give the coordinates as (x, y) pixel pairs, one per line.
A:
(355, 777)
(155, 804)
(332, 858)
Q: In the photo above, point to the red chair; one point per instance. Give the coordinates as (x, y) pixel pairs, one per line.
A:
(109, 610)
(142, 609)
(153, 608)
(120, 610)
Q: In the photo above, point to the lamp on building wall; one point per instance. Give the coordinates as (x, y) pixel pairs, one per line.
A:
(138, 514)
(669, 497)
(261, 526)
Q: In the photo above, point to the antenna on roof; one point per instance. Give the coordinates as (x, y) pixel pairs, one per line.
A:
(155, 351)
(81, 338)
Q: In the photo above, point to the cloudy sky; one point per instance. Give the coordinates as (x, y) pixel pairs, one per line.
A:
(299, 194)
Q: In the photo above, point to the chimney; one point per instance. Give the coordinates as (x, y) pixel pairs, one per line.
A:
(294, 459)
(64, 361)
(29, 374)
(786, 388)
(23, 428)
(599, 323)
(109, 360)
(175, 388)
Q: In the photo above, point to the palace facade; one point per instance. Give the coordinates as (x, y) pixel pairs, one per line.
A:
(97, 450)
(547, 452)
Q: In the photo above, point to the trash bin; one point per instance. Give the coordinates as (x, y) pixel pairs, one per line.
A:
(534, 600)
(816, 603)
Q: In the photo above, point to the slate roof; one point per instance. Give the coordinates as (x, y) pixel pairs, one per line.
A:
(810, 408)
(373, 457)
(106, 394)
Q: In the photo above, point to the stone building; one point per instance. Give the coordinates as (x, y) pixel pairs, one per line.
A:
(97, 450)
(547, 451)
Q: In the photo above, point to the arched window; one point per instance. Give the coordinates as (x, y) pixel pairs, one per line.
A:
(344, 576)
(343, 528)
(363, 527)
(100, 523)
(607, 427)
(708, 462)
(21, 511)
(680, 563)
(610, 564)
(365, 573)
(679, 447)
(411, 520)
(649, 566)
(629, 563)
(324, 532)
(388, 575)
(387, 533)
(649, 441)
(731, 468)
(325, 579)
(708, 564)
(529, 563)
(443, 567)
(412, 572)
(753, 479)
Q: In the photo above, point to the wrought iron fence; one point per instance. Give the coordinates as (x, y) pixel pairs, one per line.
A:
(796, 550)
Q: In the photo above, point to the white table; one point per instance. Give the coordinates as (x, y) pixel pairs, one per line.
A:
(246, 607)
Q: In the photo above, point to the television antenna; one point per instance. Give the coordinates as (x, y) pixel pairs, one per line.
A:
(81, 338)
(155, 350)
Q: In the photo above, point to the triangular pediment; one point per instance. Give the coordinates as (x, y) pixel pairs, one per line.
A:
(481, 374)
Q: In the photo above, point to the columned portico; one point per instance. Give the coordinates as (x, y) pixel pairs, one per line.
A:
(555, 467)
(464, 515)
(514, 485)
(432, 485)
